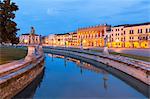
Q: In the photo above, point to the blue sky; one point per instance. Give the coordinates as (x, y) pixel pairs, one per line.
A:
(60, 16)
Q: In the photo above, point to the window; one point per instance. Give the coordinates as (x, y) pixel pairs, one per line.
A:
(138, 31)
(116, 29)
(146, 30)
(141, 30)
(124, 32)
(132, 31)
(146, 37)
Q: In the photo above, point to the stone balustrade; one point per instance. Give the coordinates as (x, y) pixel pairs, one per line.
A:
(20, 73)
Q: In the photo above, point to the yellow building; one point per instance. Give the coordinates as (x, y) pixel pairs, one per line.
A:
(92, 36)
(129, 36)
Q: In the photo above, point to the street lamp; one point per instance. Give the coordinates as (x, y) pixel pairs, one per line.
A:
(117, 40)
(25, 41)
(81, 43)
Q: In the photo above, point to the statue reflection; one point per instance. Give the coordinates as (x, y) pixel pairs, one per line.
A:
(65, 61)
(81, 71)
(105, 79)
(52, 58)
(30, 90)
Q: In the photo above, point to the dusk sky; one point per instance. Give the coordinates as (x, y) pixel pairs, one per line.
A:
(61, 16)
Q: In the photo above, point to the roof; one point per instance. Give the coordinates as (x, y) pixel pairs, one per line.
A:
(62, 34)
(131, 25)
(29, 34)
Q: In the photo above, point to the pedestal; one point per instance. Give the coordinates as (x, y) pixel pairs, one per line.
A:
(31, 53)
(105, 51)
(40, 50)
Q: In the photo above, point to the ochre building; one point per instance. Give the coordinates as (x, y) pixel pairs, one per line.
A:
(92, 36)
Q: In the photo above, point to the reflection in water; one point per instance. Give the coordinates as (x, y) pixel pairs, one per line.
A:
(65, 61)
(105, 78)
(85, 65)
(62, 79)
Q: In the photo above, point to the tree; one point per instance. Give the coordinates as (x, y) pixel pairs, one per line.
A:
(8, 28)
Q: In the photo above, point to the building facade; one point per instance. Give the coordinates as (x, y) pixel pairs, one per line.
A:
(92, 36)
(27, 39)
(129, 36)
(66, 39)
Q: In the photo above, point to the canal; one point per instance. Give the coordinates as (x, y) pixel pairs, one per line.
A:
(67, 78)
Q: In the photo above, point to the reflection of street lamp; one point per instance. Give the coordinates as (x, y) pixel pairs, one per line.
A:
(105, 78)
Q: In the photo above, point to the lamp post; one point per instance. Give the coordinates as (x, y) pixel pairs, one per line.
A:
(81, 43)
(117, 42)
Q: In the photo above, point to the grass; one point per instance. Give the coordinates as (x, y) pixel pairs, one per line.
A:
(147, 59)
(9, 54)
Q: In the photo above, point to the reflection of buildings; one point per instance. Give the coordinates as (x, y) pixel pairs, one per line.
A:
(89, 67)
(130, 36)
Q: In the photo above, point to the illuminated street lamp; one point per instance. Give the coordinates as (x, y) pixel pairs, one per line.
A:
(117, 40)
(25, 41)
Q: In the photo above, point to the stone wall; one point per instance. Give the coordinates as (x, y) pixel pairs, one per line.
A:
(15, 76)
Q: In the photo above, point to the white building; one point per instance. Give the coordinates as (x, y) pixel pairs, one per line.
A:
(26, 39)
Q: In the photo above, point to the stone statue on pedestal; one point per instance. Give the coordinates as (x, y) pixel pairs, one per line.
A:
(105, 51)
(32, 36)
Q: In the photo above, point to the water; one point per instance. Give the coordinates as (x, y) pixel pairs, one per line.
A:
(66, 78)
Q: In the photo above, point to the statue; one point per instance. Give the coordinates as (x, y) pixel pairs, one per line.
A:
(32, 36)
(105, 51)
(32, 31)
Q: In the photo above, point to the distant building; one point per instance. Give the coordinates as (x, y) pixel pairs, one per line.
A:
(130, 36)
(92, 36)
(73, 39)
(26, 39)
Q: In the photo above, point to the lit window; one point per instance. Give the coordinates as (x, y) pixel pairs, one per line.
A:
(141, 30)
(146, 30)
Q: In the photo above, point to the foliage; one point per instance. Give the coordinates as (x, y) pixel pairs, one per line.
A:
(8, 27)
